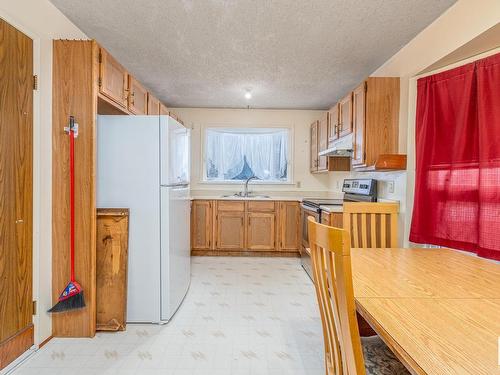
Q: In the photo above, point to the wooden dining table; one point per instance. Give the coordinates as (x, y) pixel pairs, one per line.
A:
(438, 310)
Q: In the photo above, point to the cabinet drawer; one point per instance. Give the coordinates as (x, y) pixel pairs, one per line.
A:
(231, 206)
(261, 206)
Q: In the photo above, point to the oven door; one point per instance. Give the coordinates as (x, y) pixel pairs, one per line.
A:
(305, 258)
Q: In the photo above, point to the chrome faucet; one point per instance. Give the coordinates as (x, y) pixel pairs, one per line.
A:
(245, 191)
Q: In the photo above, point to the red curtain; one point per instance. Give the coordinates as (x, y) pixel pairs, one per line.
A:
(457, 182)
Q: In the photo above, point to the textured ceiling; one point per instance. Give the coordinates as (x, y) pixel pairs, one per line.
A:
(291, 53)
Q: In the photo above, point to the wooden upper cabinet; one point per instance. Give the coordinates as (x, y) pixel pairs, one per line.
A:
(230, 230)
(323, 142)
(376, 120)
(333, 117)
(289, 234)
(202, 225)
(313, 165)
(345, 116)
(138, 97)
(153, 105)
(261, 231)
(358, 141)
(113, 79)
(163, 110)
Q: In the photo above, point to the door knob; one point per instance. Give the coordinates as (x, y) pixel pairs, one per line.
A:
(19, 221)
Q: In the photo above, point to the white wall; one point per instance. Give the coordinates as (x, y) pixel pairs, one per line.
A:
(42, 22)
(297, 120)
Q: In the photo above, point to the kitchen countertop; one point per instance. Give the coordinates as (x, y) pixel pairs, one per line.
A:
(332, 208)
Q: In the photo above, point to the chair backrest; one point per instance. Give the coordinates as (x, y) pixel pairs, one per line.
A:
(372, 224)
(330, 254)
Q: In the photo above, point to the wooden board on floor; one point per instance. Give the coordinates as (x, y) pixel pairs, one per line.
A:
(74, 93)
(245, 253)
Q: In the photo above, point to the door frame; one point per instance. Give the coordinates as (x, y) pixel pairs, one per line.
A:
(37, 182)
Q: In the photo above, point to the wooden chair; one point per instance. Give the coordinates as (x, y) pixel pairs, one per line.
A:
(345, 352)
(372, 224)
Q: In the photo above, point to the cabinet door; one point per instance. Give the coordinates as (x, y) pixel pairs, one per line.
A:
(345, 116)
(323, 142)
(333, 128)
(201, 225)
(261, 231)
(113, 82)
(358, 142)
(337, 219)
(313, 165)
(153, 105)
(289, 226)
(325, 218)
(138, 98)
(230, 230)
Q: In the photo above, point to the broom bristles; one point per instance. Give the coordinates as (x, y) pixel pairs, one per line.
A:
(72, 303)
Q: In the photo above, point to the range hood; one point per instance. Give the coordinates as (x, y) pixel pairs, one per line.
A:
(341, 148)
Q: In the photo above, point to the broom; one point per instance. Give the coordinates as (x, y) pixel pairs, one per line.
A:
(72, 296)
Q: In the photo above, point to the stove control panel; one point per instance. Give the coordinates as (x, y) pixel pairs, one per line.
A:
(360, 186)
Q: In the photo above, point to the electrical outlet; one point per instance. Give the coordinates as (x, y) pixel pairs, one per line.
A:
(390, 187)
(298, 184)
(338, 185)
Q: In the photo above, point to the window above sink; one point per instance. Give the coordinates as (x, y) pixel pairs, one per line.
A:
(231, 155)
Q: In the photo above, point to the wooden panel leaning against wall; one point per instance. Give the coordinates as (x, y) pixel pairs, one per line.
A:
(75, 86)
(16, 193)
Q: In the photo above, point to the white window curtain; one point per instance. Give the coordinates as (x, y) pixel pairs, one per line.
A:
(236, 154)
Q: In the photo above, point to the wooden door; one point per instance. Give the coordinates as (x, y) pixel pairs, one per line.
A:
(138, 97)
(201, 225)
(289, 226)
(16, 193)
(153, 105)
(333, 117)
(323, 142)
(230, 230)
(113, 79)
(261, 231)
(313, 165)
(345, 116)
(359, 115)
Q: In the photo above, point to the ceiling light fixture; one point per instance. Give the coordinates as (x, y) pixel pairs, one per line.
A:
(248, 94)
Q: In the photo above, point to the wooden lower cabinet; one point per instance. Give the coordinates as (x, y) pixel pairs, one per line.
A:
(222, 227)
(261, 231)
(230, 230)
(332, 219)
(202, 225)
(289, 217)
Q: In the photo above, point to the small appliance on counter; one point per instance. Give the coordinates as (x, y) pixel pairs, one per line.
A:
(355, 190)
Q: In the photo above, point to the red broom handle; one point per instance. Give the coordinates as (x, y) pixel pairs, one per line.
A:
(72, 198)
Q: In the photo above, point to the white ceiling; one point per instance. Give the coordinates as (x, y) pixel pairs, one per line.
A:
(291, 53)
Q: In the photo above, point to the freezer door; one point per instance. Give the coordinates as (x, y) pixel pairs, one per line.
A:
(175, 248)
(174, 148)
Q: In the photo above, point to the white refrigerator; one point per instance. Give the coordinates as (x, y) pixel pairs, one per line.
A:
(143, 164)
